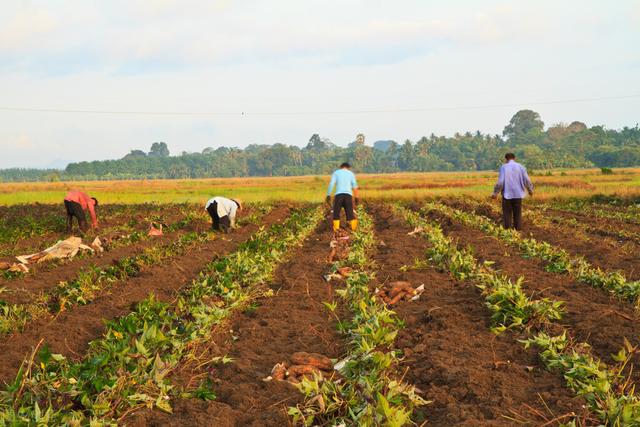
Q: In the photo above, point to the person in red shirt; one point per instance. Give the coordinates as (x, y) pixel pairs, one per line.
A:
(76, 203)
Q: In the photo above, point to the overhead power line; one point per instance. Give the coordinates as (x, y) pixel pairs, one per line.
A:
(311, 113)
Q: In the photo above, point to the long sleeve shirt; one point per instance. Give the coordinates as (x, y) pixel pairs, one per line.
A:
(344, 181)
(225, 207)
(513, 181)
(85, 201)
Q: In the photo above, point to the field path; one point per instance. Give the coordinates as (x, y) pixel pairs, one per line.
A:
(597, 252)
(294, 319)
(71, 331)
(473, 376)
(592, 315)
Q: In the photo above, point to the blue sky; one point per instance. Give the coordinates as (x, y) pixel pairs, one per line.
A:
(283, 56)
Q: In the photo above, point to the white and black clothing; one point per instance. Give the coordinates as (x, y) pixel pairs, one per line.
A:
(223, 213)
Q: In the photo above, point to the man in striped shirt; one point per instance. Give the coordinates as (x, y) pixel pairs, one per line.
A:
(513, 180)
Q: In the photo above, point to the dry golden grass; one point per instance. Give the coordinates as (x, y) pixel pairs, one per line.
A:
(569, 183)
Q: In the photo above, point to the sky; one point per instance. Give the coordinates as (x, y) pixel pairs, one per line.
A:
(217, 73)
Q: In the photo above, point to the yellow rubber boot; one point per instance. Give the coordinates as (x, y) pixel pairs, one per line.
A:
(336, 224)
(354, 224)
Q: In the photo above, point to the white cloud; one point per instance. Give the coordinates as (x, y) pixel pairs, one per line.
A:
(26, 29)
(311, 55)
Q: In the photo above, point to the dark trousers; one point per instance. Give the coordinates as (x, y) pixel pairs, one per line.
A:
(343, 201)
(512, 213)
(218, 223)
(74, 209)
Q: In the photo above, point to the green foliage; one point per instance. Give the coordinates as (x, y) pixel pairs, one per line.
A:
(557, 259)
(608, 392)
(509, 306)
(367, 394)
(558, 147)
(130, 365)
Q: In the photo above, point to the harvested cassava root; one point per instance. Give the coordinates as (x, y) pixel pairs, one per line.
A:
(394, 292)
(302, 365)
(339, 246)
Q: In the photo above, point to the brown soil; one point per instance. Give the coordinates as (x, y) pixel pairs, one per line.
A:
(473, 377)
(599, 254)
(71, 331)
(293, 320)
(592, 315)
(46, 276)
(108, 216)
(601, 227)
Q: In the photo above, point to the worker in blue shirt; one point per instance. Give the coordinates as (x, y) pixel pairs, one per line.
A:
(513, 180)
(346, 196)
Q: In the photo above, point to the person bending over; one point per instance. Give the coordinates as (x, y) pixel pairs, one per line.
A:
(223, 213)
(346, 195)
(76, 203)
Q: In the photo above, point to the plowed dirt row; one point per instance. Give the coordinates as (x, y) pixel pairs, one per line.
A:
(21, 290)
(599, 228)
(71, 331)
(108, 216)
(54, 272)
(473, 377)
(600, 255)
(292, 320)
(593, 316)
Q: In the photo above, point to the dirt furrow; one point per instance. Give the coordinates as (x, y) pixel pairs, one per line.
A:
(606, 231)
(292, 320)
(109, 216)
(600, 254)
(473, 376)
(23, 290)
(592, 315)
(71, 331)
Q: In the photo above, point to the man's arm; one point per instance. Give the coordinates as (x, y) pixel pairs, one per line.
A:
(232, 215)
(500, 184)
(527, 181)
(332, 184)
(92, 211)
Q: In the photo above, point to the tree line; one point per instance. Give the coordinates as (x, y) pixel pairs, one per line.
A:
(571, 145)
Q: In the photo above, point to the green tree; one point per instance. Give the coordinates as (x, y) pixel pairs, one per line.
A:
(159, 149)
(522, 123)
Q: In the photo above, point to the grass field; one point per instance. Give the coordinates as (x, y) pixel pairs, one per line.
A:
(405, 186)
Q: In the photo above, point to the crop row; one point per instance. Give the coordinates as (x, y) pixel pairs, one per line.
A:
(546, 219)
(20, 222)
(131, 365)
(90, 282)
(132, 236)
(21, 227)
(630, 214)
(366, 392)
(607, 392)
(94, 280)
(558, 260)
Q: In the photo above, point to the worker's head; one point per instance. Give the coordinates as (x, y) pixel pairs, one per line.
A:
(95, 201)
(509, 156)
(238, 203)
(345, 165)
